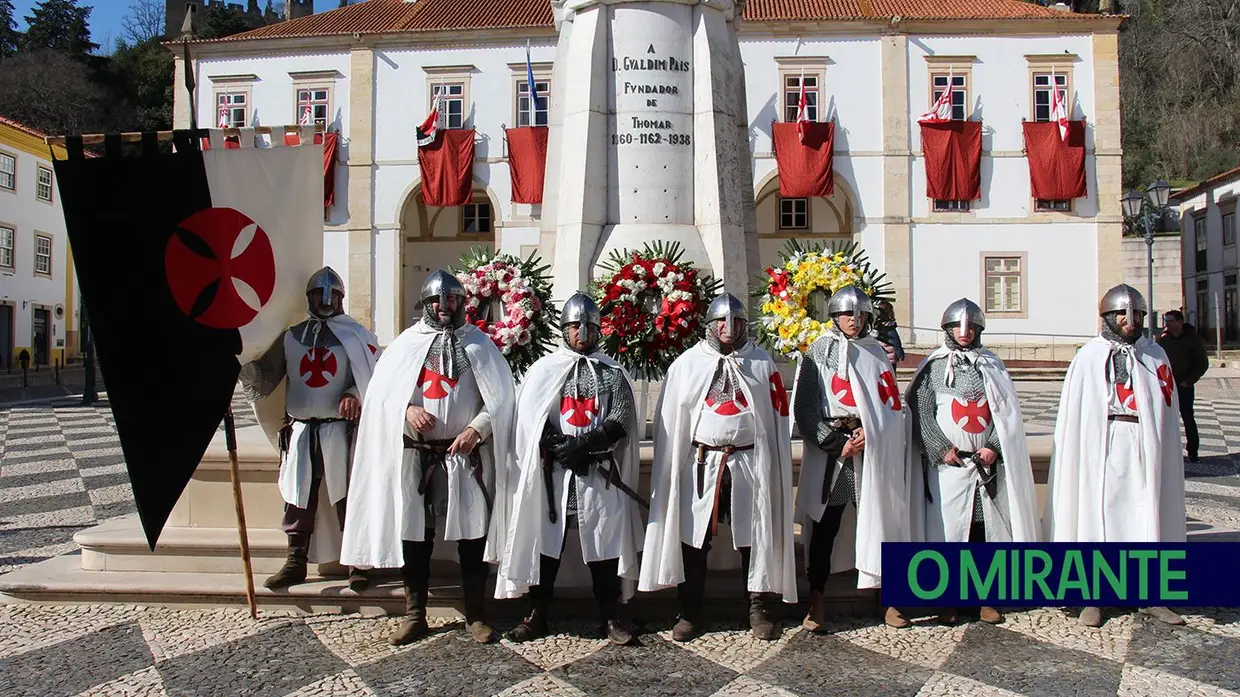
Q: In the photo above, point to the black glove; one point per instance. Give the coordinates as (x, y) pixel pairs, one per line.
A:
(573, 454)
(550, 440)
(833, 444)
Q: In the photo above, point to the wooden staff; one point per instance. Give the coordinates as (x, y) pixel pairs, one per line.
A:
(136, 136)
(230, 437)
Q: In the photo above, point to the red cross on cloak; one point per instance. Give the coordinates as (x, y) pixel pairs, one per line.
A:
(731, 407)
(779, 395)
(888, 391)
(842, 389)
(434, 385)
(579, 411)
(1127, 398)
(1166, 382)
(318, 367)
(972, 417)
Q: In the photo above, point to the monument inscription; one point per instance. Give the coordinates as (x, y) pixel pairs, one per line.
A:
(668, 79)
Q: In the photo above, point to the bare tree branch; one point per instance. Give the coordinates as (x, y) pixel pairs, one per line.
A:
(145, 21)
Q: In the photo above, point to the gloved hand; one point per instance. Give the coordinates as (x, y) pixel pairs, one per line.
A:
(551, 440)
(573, 454)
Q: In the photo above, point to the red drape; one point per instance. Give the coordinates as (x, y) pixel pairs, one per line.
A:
(805, 168)
(527, 162)
(230, 143)
(447, 168)
(953, 156)
(1056, 168)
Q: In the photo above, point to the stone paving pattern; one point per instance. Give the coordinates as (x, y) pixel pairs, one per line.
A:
(62, 470)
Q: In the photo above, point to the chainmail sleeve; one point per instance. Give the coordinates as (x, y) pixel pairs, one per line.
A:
(623, 409)
(807, 410)
(261, 376)
(934, 443)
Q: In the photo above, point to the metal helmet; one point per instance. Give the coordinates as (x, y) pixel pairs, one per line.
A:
(962, 313)
(325, 280)
(581, 310)
(729, 307)
(440, 285)
(850, 300)
(1123, 298)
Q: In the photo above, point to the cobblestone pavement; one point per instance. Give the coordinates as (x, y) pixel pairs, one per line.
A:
(62, 469)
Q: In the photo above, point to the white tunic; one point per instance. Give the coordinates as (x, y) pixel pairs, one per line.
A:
(722, 422)
(317, 378)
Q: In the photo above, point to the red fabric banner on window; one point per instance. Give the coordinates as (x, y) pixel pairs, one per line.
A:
(953, 156)
(330, 141)
(527, 162)
(447, 168)
(1056, 167)
(805, 167)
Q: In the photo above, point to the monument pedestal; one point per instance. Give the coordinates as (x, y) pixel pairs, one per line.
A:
(197, 560)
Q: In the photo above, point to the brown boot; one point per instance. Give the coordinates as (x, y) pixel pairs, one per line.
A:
(895, 618)
(989, 615)
(474, 589)
(816, 620)
(294, 569)
(1163, 614)
(533, 626)
(1091, 616)
(761, 625)
(359, 580)
(414, 576)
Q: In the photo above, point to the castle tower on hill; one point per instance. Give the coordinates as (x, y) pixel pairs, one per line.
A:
(254, 13)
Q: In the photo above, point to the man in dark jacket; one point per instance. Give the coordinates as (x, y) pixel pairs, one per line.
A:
(1187, 353)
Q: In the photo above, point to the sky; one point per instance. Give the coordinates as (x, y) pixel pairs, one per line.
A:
(107, 15)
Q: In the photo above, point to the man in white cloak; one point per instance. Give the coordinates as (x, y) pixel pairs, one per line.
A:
(722, 453)
(968, 437)
(1117, 471)
(854, 486)
(325, 364)
(433, 457)
(577, 449)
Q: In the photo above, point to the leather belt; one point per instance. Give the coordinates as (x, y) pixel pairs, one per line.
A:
(1124, 418)
(286, 431)
(727, 451)
(434, 456)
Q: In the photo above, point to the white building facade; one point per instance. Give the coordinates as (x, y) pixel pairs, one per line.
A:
(1210, 263)
(38, 287)
(369, 71)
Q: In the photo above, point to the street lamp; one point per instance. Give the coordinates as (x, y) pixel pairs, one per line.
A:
(1134, 206)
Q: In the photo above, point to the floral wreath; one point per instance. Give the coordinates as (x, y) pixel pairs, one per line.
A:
(652, 307)
(794, 293)
(510, 300)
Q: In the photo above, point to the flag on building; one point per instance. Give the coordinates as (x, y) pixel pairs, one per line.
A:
(191, 264)
(430, 127)
(529, 79)
(941, 110)
(1059, 111)
(802, 111)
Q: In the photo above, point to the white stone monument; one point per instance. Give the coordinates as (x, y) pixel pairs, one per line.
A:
(648, 139)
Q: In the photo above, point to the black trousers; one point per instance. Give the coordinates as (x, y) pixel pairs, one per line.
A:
(821, 543)
(1187, 395)
(604, 576)
(693, 588)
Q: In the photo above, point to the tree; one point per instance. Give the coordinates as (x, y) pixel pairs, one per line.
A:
(52, 92)
(219, 21)
(141, 81)
(61, 26)
(9, 37)
(145, 21)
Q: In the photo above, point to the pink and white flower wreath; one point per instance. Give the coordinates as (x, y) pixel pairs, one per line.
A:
(525, 327)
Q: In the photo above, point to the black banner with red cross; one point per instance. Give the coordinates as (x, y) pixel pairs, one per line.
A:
(189, 267)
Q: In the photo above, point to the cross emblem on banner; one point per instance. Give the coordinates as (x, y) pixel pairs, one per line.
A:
(579, 411)
(971, 417)
(434, 385)
(842, 389)
(888, 391)
(318, 367)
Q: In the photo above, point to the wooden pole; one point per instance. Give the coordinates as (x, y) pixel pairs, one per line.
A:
(1218, 329)
(230, 436)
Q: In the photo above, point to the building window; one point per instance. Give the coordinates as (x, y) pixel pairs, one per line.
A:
(1203, 307)
(1049, 205)
(1229, 228)
(313, 106)
(8, 172)
(451, 104)
(960, 92)
(792, 95)
(476, 219)
(1003, 284)
(1042, 94)
(42, 255)
(1200, 242)
(524, 106)
(1230, 320)
(793, 213)
(948, 206)
(43, 188)
(6, 248)
(232, 109)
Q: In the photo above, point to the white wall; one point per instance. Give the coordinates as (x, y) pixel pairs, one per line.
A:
(28, 216)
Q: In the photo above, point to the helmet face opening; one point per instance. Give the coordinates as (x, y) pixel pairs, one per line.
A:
(727, 320)
(581, 323)
(443, 299)
(325, 292)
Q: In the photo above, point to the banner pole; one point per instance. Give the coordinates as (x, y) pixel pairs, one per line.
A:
(234, 469)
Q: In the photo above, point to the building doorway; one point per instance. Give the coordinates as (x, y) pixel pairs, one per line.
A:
(1231, 323)
(41, 336)
(6, 336)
